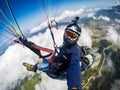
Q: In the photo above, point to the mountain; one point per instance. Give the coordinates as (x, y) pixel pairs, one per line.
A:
(113, 12)
(106, 43)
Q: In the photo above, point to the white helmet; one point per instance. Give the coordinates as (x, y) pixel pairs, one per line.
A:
(72, 32)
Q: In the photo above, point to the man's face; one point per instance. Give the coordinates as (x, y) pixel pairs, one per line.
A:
(71, 35)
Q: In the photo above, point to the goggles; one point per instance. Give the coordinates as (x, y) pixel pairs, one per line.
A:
(71, 35)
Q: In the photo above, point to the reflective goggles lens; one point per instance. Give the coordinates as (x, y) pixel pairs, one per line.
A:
(71, 35)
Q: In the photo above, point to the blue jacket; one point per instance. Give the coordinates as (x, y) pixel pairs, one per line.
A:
(70, 56)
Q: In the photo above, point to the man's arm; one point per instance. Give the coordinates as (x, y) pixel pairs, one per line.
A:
(74, 70)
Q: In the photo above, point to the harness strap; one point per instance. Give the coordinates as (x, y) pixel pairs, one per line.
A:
(44, 49)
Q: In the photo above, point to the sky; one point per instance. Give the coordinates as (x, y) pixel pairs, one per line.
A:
(30, 13)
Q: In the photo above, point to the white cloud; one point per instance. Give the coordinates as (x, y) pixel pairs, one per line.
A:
(91, 15)
(11, 65)
(68, 13)
(109, 63)
(11, 68)
(51, 84)
(38, 28)
(116, 85)
(86, 37)
(65, 14)
(117, 20)
(105, 18)
(118, 2)
(113, 36)
(98, 8)
(90, 10)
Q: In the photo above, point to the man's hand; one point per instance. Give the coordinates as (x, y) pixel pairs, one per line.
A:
(40, 61)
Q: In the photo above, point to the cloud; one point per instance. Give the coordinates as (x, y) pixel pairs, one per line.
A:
(98, 8)
(86, 37)
(110, 63)
(116, 85)
(91, 15)
(90, 10)
(113, 36)
(68, 13)
(38, 28)
(11, 68)
(105, 18)
(117, 2)
(65, 14)
(117, 20)
(46, 84)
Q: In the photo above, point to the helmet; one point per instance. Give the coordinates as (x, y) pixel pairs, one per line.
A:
(74, 28)
(72, 33)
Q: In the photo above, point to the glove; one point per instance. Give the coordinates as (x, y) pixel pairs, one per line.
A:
(22, 39)
(89, 57)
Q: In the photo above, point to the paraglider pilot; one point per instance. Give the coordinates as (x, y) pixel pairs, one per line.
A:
(67, 62)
